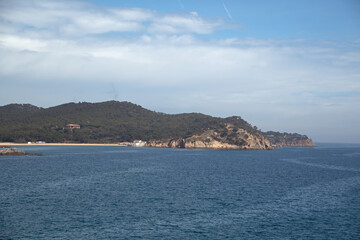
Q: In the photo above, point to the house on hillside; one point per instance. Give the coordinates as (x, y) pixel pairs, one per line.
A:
(72, 126)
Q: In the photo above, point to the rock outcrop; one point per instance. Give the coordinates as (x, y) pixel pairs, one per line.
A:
(15, 151)
(229, 137)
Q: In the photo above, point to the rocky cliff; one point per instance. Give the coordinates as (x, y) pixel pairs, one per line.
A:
(229, 137)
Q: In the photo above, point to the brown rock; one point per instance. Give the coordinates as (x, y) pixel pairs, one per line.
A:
(229, 137)
(14, 152)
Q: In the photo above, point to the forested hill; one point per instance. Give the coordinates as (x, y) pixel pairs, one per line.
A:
(105, 122)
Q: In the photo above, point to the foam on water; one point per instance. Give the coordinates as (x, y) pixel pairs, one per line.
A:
(325, 166)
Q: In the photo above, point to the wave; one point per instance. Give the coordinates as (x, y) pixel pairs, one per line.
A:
(325, 166)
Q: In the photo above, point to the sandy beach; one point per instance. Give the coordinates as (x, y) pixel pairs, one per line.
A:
(60, 144)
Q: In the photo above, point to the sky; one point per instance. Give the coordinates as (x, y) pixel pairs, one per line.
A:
(282, 65)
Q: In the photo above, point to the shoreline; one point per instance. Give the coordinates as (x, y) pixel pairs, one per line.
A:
(59, 144)
(10, 144)
(126, 144)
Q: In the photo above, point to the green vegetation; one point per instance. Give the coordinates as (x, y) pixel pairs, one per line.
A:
(106, 122)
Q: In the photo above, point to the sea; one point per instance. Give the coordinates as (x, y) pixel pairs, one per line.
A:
(103, 192)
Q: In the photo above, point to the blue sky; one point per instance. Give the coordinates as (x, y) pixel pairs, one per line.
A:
(289, 66)
(336, 19)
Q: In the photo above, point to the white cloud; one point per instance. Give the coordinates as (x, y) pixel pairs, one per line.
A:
(78, 18)
(176, 24)
(133, 14)
(22, 43)
(169, 60)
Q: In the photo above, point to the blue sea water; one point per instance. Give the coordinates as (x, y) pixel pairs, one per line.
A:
(149, 193)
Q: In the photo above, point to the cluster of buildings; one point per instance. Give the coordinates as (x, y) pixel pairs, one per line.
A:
(136, 143)
(37, 142)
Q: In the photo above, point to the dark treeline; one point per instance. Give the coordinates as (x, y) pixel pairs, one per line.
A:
(106, 122)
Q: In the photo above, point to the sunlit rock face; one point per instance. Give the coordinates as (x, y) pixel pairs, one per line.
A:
(229, 137)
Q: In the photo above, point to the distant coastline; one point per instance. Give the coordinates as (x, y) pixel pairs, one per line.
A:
(116, 123)
(125, 144)
(58, 144)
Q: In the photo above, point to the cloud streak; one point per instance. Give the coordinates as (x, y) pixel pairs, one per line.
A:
(226, 10)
